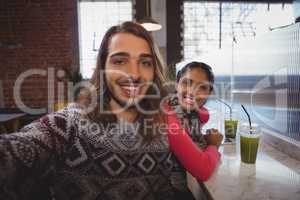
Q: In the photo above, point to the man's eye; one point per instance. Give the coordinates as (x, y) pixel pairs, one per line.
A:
(147, 63)
(119, 61)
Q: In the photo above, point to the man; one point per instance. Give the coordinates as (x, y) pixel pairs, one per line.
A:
(100, 148)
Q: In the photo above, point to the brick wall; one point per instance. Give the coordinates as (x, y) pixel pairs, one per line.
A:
(39, 34)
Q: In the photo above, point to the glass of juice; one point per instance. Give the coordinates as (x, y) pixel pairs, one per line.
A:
(230, 126)
(249, 142)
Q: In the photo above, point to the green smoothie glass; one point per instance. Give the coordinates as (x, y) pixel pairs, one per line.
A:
(230, 124)
(249, 142)
(230, 127)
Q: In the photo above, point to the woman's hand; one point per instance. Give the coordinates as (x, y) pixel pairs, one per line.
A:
(213, 137)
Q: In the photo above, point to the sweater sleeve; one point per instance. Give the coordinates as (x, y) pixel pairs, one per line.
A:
(29, 156)
(200, 163)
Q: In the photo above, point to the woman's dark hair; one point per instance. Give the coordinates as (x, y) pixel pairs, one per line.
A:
(198, 65)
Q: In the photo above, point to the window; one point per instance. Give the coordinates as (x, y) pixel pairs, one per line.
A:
(205, 31)
(95, 18)
(253, 50)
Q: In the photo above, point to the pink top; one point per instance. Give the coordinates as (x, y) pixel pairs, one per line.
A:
(200, 163)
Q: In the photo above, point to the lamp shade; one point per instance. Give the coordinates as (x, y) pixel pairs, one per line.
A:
(147, 22)
(150, 24)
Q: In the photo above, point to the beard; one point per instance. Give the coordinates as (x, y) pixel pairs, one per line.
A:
(119, 101)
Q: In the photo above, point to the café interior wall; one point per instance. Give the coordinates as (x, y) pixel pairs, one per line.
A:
(36, 35)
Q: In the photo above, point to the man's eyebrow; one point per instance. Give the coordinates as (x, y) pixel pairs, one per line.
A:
(120, 54)
(142, 55)
(146, 55)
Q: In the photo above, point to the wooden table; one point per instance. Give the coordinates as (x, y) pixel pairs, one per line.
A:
(12, 119)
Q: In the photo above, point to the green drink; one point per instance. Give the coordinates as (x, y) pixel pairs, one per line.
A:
(230, 128)
(249, 144)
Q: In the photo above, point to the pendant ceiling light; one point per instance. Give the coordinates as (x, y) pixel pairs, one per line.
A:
(147, 22)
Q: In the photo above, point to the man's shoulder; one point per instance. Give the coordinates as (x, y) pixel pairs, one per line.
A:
(63, 122)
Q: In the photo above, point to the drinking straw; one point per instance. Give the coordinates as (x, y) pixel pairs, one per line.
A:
(249, 119)
(230, 109)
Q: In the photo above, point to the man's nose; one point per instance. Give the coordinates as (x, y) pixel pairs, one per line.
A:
(134, 70)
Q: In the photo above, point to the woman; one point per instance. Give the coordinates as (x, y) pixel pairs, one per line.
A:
(194, 85)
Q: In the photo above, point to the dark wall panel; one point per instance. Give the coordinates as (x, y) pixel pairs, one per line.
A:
(174, 31)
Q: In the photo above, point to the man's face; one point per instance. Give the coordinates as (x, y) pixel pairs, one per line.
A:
(129, 68)
(193, 89)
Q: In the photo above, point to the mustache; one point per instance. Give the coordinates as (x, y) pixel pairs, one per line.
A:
(130, 82)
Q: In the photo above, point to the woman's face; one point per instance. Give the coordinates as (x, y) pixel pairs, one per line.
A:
(193, 89)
